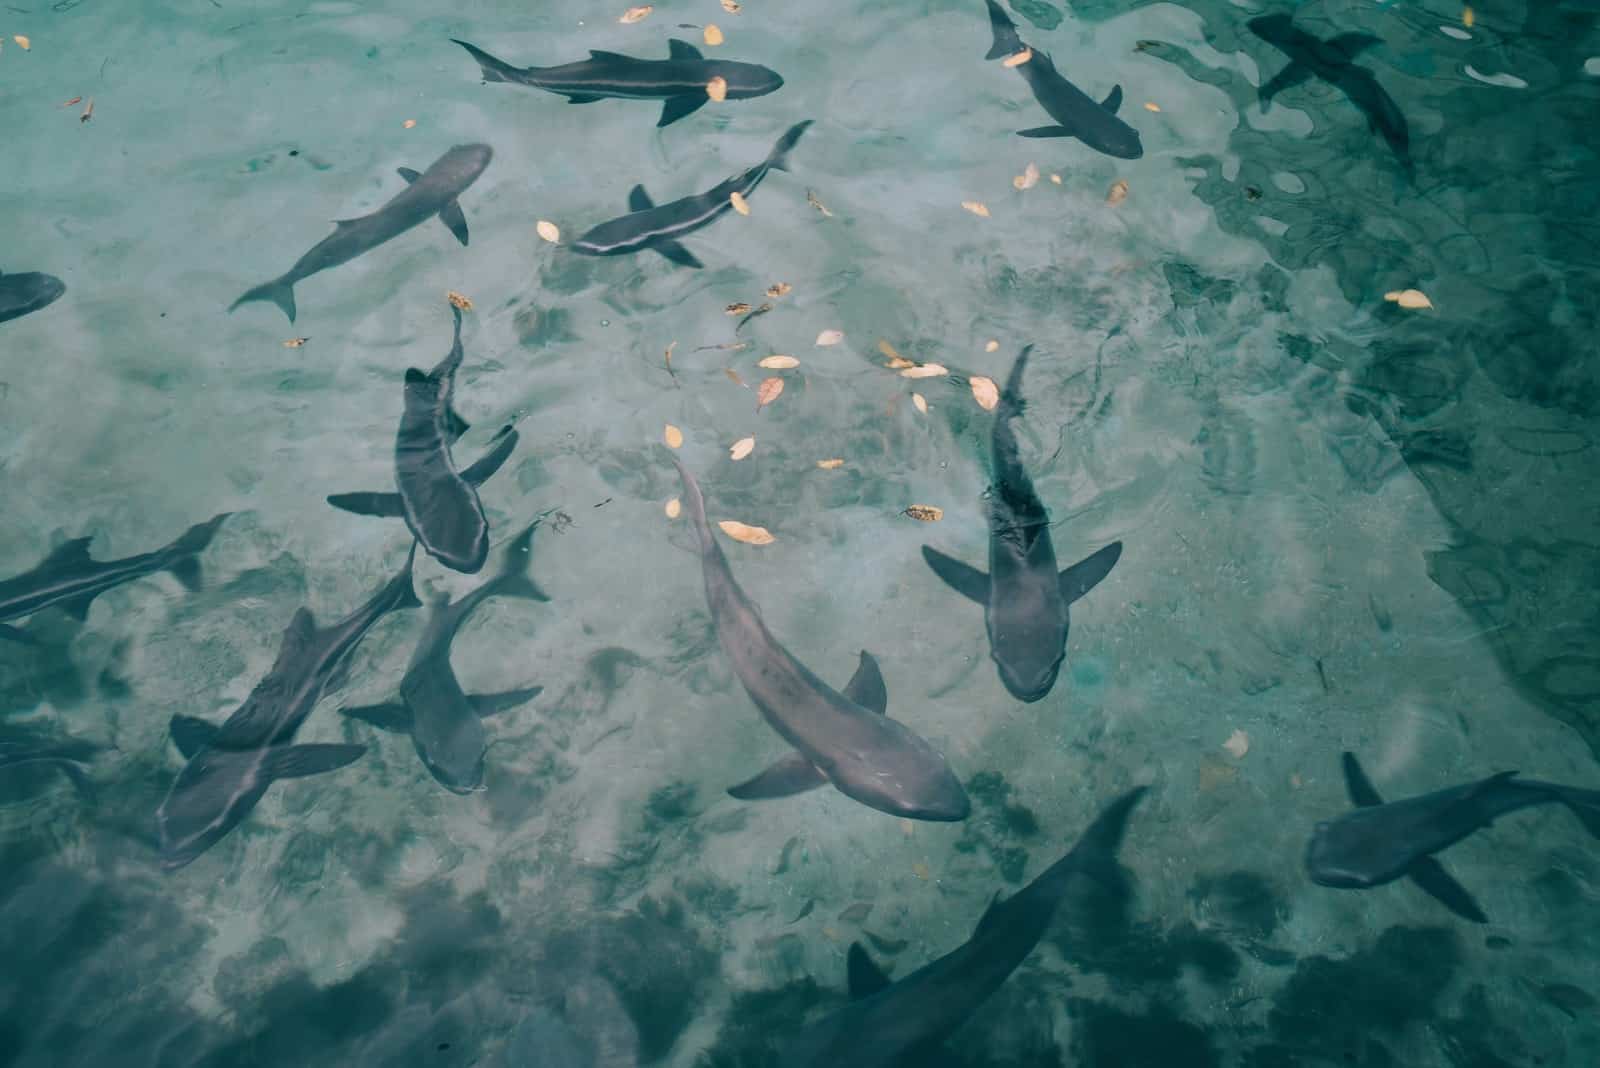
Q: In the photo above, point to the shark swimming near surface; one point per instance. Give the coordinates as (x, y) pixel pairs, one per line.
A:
(433, 192)
(68, 578)
(1380, 842)
(1076, 114)
(1333, 61)
(680, 80)
(444, 722)
(846, 739)
(1025, 602)
(897, 1023)
(230, 767)
(659, 227)
(28, 292)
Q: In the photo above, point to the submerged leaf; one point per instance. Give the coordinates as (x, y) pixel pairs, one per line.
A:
(742, 448)
(921, 402)
(829, 465)
(768, 391)
(925, 513)
(717, 88)
(1151, 106)
(409, 124)
(734, 377)
(1118, 193)
(1056, 178)
(779, 363)
(674, 507)
(991, 346)
(636, 14)
(920, 870)
(744, 532)
(829, 337)
(739, 203)
(548, 230)
(1238, 744)
(926, 370)
(779, 289)
(25, 43)
(713, 36)
(1409, 298)
(738, 308)
(1028, 178)
(457, 300)
(673, 437)
(985, 392)
(977, 207)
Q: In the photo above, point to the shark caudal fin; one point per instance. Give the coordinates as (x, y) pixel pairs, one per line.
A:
(1006, 41)
(513, 580)
(1096, 852)
(277, 291)
(493, 70)
(778, 158)
(183, 555)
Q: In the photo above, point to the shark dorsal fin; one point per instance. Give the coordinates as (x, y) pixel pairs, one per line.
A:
(1113, 100)
(1362, 793)
(1499, 778)
(864, 977)
(990, 914)
(415, 376)
(682, 50)
(408, 174)
(191, 734)
(866, 686)
(639, 200)
(69, 553)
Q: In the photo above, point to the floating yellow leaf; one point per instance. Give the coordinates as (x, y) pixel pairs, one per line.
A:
(295, 342)
(925, 513)
(409, 124)
(811, 198)
(830, 337)
(1409, 298)
(977, 207)
(829, 465)
(717, 88)
(458, 300)
(1118, 192)
(743, 532)
(921, 402)
(927, 370)
(742, 448)
(985, 392)
(25, 43)
(768, 391)
(548, 230)
(1017, 59)
(636, 14)
(920, 870)
(1027, 179)
(674, 506)
(739, 203)
(673, 437)
(991, 346)
(1238, 744)
(779, 289)
(779, 363)
(713, 36)
(738, 308)
(731, 6)
(1056, 178)
(1151, 106)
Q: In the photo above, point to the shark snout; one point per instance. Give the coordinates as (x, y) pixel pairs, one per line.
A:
(1027, 682)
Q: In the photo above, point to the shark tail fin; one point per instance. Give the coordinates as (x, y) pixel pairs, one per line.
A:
(513, 579)
(778, 158)
(278, 291)
(184, 553)
(493, 69)
(1095, 855)
(1006, 41)
(1584, 804)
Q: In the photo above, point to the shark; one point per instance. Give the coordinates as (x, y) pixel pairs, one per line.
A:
(1380, 842)
(443, 721)
(659, 227)
(846, 738)
(70, 579)
(433, 192)
(1025, 601)
(22, 749)
(680, 80)
(22, 294)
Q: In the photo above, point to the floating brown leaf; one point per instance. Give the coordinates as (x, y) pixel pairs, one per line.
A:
(926, 370)
(779, 363)
(742, 448)
(458, 301)
(1028, 178)
(295, 342)
(739, 203)
(636, 14)
(985, 392)
(768, 391)
(409, 124)
(737, 309)
(1118, 193)
(713, 36)
(1017, 59)
(811, 198)
(548, 230)
(921, 402)
(673, 437)
(717, 88)
(744, 532)
(830, 337)
(925, 513)
(74, 100)
(991, 346)
(829, 465)
(977, 207)
(674, 507)
(779, 289)
(734, 377)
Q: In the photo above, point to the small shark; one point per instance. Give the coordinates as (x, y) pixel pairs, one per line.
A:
(28, 292)
(1076, 114)
(67, 577)
(680, 79)
(1024, 601)
(887, 1021)
(230, 767)
(846, 739)
(440, 504)
(24, 749)
(431, 193)
(445, 723)
(648, 225)
(1333, 61)
(1379, 843)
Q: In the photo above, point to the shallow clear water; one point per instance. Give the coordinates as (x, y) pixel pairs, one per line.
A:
(1347, 525)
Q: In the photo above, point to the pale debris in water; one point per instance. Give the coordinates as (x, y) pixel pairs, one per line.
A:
(991, 346)
(737, 309)
(674, 507)
(811, 198)
(743, 532)
(742, 448)
(778, 363)
(731, 6)
(25, 43)
(458, 300)
(977, 207)
(1409, 298)
(779, 289)
(739, 203)
(927, 370)
(1238, 744)
(768, 391)
(713, 35)
(1056, 178)
(924, 513)
(636, 14)
(548, 230)
(829, 465)
(985, 392)
(921, 402)
(295, 342)
(673, 437)
(1027, 179)
(907, 828)
(733, 376)
(829, 337)
(1150, 105)
(717, 88)
(1467, 19)
(920, 870)
(1118, 193)
(409, 124)
(1017, 59)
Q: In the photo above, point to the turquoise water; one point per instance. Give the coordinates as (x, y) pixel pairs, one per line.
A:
(1347, 525)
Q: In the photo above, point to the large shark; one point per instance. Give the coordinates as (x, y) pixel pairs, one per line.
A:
(70, 579)
(439, 503)
(1379, 843)
(887, 1021)
(1333, 61)
(846, 739)
(658, 227)
(1025, 602)
(433, 192)
(680, 79)
(445, 724)
(230, 767)
(1076, 113)
(28, 292)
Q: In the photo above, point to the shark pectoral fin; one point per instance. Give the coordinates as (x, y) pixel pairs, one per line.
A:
(1429, 874)
(1086, 574)
(17, 634)
(390, 717)
(677, 49)
(484, 467)
(794, 774)
(453, 220)
(69, 554)
(408, 174)
(191, 734)
(677, 254)
(967, 581)
(866, 686)
(386, 505)
(1356, 784)
(1045, 131)
(488, 704)
(456, 425)
(862, 973)
(677, 107)
(1113, 99)
(639, 200)
(298, 761)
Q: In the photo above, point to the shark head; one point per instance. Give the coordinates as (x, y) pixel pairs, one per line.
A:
(453, 753)
(746, 80)
(1028, 656)
(1343, 853)
(210, 796)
